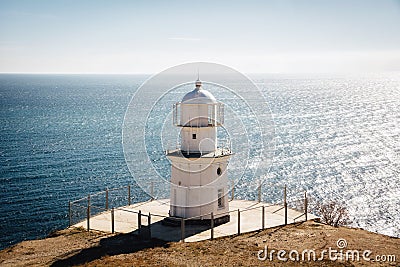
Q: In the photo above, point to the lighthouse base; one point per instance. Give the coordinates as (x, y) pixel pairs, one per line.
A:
(176, 221)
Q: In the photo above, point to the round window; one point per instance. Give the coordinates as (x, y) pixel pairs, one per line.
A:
(219, 171)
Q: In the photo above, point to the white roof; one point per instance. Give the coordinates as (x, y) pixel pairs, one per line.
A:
(199, 96)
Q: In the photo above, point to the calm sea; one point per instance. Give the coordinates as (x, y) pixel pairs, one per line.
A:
(336, 136)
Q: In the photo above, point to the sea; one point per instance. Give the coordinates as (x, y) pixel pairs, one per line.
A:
(335, 135)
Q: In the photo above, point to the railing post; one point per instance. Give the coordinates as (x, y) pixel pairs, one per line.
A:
(182, 230)
(285, 204)
(238, 222)
(112, 220)
(152, 191)
(129, 195)
(259, 193)
(305, 204)
(107, 199)
(139, 220)
(149, 225)
(69, 213)
(263, 218)
(233, 191)
(212, 226)
(88, 214)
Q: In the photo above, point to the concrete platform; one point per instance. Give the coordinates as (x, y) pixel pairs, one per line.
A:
(126, 220)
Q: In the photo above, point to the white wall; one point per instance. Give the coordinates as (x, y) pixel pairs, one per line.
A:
(205, 142)
(197, 193)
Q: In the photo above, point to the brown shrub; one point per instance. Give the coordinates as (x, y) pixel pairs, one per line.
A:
(333, 213)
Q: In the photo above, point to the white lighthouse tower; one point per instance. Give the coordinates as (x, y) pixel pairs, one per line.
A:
(199, 181)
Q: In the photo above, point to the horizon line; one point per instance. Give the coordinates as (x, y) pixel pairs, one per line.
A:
(154, 73)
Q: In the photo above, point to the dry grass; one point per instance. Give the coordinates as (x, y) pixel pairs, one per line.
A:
(74, 247)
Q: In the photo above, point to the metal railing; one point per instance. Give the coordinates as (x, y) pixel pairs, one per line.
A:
(85, 208)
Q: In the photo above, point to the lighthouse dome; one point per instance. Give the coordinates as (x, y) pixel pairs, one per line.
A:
(199, 96)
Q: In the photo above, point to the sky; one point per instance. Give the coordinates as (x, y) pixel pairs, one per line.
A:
(281, 36)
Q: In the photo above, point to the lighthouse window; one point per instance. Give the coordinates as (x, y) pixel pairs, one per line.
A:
(193, 136)
(219, 171)
(221, 201)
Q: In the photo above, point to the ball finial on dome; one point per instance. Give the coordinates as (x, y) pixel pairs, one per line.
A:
(198, 84)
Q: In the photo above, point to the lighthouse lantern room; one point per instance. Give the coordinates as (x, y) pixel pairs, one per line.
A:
(199, 181)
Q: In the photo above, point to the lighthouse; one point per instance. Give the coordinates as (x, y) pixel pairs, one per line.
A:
(199, 179)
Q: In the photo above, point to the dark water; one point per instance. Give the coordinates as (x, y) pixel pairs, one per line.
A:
(337, 136)
(60, 140)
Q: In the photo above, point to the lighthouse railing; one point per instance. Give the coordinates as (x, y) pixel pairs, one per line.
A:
(103, 201)
(108, 206)
(215, 114)
(295, 199)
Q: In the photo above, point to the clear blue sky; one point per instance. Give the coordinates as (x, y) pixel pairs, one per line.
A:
(52, 36)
